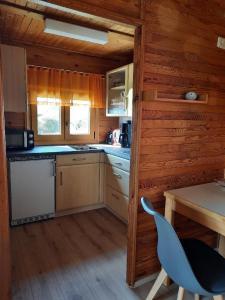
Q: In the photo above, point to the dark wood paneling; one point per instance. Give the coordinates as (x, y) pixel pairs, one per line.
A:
(60, 59)
(181, 144)
(15, 120)
(70, 61)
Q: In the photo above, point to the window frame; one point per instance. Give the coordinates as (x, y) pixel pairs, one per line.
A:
(84, 137)
(46, 138)
(65, 136)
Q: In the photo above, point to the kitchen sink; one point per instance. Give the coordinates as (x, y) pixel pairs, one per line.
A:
(82, 147)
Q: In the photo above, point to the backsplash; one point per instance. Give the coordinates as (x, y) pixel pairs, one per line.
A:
(15, 120)
(124, 119)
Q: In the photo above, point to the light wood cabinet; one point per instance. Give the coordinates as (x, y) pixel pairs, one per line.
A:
(118, 162)
(117, 185)
(118, 179)
(117, 202)
(14, 78)
(119, 91)
(77, 181)
(77, 159)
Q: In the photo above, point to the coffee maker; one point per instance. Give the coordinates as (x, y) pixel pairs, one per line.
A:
(125, 136)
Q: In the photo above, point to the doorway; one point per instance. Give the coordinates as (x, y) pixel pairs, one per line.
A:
(30, 235)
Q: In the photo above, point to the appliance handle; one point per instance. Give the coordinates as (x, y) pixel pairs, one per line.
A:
(54, 168)
(25, 139)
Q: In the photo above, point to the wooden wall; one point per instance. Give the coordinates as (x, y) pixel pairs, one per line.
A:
(181, 144)
(59, 59)
(105, 124)
(69, 60)
(15, 120)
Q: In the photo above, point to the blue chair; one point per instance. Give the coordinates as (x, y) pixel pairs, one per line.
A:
(190, 263)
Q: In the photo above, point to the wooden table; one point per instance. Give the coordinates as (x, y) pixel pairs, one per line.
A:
(203, 203)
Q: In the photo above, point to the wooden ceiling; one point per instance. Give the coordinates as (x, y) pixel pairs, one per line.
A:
(22, 22)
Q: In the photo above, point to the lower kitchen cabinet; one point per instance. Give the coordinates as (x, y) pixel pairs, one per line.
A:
(87, 181)
(117, 186)
(77, 186)
(117, 202)
(118, 179)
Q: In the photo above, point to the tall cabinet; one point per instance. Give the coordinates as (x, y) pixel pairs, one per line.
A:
(119, 91)
(14, 78)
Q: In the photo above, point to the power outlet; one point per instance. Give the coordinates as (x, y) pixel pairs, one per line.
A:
(221, 42)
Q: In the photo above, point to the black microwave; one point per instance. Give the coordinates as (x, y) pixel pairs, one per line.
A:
(19, 139)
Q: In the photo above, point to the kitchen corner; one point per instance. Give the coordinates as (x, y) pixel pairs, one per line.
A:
(71, 179)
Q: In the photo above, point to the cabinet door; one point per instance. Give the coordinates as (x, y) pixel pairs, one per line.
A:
(118, 180)
(14, 78)
(117, 202)
(77, 186)
(116, 86)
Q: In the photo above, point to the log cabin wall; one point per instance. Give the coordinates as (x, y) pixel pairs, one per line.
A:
(181, 144)
(105, 124)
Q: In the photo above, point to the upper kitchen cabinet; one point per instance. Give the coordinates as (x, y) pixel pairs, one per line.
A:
(14, 78)
(119, 91)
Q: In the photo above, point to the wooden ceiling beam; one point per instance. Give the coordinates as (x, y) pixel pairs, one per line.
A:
(20, 43)
(40, 16)
(92, 11)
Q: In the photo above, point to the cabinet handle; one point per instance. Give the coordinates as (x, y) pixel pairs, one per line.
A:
(118, 163)
(115, 196)
(79, 159)
(117, 175)
(61, 178)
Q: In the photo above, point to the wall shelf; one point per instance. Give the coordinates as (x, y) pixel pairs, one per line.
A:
(152, 95)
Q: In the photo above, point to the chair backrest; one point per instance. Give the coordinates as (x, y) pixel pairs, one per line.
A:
(171, 253)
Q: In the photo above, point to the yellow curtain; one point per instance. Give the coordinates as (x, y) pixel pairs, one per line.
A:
(66, 86)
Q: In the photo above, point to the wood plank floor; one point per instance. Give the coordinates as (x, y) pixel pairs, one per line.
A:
(78, 257)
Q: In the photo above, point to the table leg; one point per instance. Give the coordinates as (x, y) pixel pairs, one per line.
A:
(221, 246)
(169, 215)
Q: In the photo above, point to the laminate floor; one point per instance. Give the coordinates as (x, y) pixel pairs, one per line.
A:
(77, 257)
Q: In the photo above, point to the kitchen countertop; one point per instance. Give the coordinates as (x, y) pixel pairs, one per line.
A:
(63, 150)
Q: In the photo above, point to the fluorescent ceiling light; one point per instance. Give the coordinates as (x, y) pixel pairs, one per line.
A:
(75, 32)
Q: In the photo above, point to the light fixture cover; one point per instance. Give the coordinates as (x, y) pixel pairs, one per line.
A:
(75, 32)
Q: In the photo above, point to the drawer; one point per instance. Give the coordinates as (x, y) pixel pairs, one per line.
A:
(77, 159)
(118, 179)
(118, 162)
(117, 202)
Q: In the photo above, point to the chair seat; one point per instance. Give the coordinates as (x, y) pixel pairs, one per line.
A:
(207, 264)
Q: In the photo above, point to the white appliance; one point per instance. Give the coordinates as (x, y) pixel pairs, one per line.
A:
(32, 189)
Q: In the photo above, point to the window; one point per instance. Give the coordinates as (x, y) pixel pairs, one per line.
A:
(80, 118)
(48, 117)
(53, 123)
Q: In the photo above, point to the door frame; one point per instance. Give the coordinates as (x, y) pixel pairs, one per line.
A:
(5, 263)
(135, 151)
